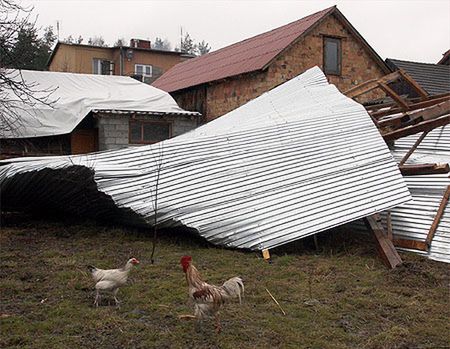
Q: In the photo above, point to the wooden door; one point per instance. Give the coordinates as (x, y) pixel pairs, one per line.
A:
(84, 141)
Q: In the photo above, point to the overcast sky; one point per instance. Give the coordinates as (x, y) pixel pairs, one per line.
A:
(404, 29)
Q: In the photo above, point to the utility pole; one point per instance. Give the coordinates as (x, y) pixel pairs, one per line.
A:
(181, 39)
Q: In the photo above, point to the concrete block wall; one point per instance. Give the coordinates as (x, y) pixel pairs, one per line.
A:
(113, 130)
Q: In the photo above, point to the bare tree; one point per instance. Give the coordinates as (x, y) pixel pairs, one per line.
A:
(203, 48)
(97, 41)
(17, 96)
(162, 44)
(120, 42)
(69, 40)
(155, 194)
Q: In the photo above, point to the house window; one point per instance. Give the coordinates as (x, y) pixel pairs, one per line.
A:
(332, 56)
(143, 72)
(102, 66)
(146, 132)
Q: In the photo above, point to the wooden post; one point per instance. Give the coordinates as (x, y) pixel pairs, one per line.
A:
(389, 225)
(266, 255)
(437, 218)
(408, 154)
(316, 243)
(385, 247)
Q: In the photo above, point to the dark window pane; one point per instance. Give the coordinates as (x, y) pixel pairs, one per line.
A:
(106, 67)
(135, 131)
(332, 55)
(139, 69)
(154, 132)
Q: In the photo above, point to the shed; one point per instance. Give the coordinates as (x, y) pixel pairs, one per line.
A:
(80, 113)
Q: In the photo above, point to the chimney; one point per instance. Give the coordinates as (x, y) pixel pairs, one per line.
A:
(138, 43)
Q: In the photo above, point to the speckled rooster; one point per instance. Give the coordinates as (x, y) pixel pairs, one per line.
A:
(208, 298)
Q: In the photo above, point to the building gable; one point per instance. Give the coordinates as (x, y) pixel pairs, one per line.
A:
(254, 54)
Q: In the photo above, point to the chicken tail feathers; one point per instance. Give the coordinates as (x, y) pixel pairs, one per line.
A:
(91, 268)
(234, 288)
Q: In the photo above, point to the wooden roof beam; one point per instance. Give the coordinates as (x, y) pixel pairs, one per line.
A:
(420, 91)
(372, 84)
(438, 217)
(422, 169)
(414, 147)
(385, 247)
(415, 106)
(411, 244)
(432, 112)
(399, 100)
(420, 127)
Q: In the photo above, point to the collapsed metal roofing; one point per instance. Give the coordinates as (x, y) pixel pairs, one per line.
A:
(412, 220)
(297, 160)
(62, 100)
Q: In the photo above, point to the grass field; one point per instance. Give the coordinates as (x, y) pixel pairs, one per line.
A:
(338, 297)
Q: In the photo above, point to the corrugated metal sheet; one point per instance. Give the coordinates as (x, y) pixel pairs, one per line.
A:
(413, 220)
(297, 160)
(245, 56)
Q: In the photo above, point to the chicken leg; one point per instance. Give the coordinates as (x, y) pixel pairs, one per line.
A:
(115, 297)
(218, 325)
(97, 298)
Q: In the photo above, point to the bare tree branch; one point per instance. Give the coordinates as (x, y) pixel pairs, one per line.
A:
(17, 96)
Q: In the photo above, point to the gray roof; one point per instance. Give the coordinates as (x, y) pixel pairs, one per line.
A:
(434, 78)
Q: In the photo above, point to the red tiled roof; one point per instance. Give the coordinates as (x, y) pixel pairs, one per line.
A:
(246, 56)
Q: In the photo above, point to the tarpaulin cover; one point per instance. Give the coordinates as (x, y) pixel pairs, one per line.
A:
(73, 96)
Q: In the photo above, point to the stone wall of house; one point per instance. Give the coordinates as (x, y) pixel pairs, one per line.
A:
(357, 66)
(192, 99)
(113, 130)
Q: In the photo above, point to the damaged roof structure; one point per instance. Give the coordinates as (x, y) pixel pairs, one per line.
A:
(417, 224)
(299, 159)
(418, 133)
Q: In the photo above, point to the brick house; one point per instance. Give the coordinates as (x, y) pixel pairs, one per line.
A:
(138, 60)
(221, 81)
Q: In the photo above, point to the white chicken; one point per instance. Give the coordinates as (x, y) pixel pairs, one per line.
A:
(208, 298)
(110, 279)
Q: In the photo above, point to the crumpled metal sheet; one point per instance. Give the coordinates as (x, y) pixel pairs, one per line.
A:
(297, 160)
(413, 220)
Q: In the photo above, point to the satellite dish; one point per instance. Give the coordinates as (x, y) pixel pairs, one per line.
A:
(130, 54)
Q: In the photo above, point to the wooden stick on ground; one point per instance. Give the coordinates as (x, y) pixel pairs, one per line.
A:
(276, 302)
(181, 317)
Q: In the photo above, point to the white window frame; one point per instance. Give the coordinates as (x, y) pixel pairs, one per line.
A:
(144, 68)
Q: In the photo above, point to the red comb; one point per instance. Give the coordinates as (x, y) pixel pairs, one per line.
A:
(185, 261)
